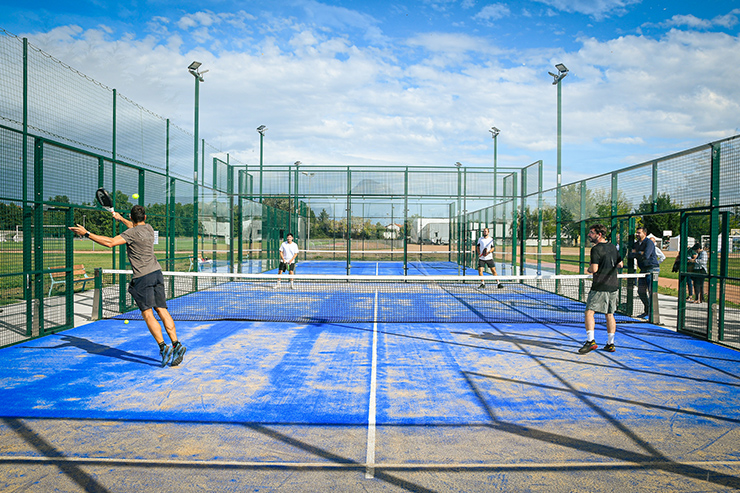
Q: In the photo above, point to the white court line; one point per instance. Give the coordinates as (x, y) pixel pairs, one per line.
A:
(555, 466)
(371, 419)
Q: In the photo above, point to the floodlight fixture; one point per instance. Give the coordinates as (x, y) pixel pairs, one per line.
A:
(193, 69)
(494, 131)
(562, 72)
(458, 164)
(298, 163)
(261, 129)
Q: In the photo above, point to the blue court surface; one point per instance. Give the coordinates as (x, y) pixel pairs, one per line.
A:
(259, 406)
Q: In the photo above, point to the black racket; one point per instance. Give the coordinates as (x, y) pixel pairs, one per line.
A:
(104, 199)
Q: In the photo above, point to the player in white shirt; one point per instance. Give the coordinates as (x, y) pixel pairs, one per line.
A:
(484, 249)
(288, 255)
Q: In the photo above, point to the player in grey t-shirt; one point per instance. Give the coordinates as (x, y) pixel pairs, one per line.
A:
(147, 284)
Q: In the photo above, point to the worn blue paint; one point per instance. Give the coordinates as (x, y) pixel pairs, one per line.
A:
(457, 374)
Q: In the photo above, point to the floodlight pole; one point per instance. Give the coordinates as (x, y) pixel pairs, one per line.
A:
(308, 230)
(193, 69)
(494, 132)
(261, 129)
(295, 206)
(562, 72)
(460, 237)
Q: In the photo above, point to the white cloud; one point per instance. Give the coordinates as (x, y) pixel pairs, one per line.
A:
(597, 9)
(492, 12)
(688, 20)
(727, 21)
(426, 99)
(625, 140)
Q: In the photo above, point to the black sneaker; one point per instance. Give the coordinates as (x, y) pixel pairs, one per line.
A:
(177, 354)
(499, 285)
(610, 348)
(165, 353)
(588, 346)
(482, 286)
(642, 315)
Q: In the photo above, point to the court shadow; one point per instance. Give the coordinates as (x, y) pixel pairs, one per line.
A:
(488, 336)
(102, 350)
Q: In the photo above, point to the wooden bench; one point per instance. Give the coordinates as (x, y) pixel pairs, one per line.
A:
(78, 273)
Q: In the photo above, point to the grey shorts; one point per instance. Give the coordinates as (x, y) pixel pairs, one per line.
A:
(483, 263)
(602, 301)
(148, 291)
(286, 267)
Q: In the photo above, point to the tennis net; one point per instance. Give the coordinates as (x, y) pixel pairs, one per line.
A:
(346, 299)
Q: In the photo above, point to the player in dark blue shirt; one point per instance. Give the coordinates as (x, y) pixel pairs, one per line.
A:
(647, 260)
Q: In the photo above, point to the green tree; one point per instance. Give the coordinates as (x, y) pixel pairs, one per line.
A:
(11, 215)
(602, 203)
(657, 223)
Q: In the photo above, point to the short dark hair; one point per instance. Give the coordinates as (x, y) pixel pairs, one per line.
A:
(697, 246)
(289, 234)
(642, 228)
(599, 229)
(138, 214)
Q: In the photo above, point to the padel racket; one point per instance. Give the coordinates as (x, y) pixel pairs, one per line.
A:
(104, 199)
(484, 252)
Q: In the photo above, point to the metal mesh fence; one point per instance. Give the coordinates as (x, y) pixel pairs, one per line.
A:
(57, 95)
(11, 80)
(141, 136)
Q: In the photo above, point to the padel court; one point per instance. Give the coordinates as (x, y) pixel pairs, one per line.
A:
(371, 406)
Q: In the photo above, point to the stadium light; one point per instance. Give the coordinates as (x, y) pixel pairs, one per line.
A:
(562, 72)
(308, 233)
(494, 132)
(193, 69)
(261, 129)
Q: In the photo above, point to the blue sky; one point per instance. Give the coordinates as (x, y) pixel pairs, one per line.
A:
(415, 83)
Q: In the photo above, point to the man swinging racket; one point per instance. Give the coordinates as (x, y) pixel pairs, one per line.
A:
(147, 284)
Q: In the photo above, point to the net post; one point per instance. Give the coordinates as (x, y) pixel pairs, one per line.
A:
(97, 306)
(654, 304)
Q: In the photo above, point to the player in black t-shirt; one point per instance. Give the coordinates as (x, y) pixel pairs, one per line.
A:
(605, 260)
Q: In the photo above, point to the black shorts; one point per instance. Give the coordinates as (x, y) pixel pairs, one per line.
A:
(148, 291)
(482, 263)
(286, 267)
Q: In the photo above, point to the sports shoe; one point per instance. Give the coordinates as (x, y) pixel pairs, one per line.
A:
(588, 346)
(610, 348)
(482, 286)
(177, 354)
(165, 353)
(643, 315)
(499, 285)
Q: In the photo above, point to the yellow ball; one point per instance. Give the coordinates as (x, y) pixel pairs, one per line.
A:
(125, 321)
(135, 196)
